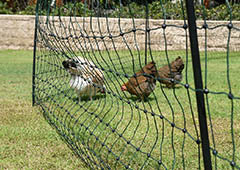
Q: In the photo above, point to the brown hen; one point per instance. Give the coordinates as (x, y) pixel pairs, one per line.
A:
(143, 82)
(171, 74)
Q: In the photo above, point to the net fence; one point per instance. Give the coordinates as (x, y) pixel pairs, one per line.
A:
(118, 85)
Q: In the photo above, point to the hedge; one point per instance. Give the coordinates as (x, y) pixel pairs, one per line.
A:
(156, 10)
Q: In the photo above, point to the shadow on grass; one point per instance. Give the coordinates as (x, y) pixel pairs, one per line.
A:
(87, 98)
(136, 99)
(175, 87)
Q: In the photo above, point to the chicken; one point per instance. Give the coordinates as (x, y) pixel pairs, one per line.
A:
(143, 82)
(86, 79)
(170, 75)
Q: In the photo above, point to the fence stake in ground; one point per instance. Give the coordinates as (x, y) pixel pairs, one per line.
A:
(198, 84)
(34, 56)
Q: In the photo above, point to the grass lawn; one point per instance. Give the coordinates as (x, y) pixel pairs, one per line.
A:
(119, 133)
(28, 142)
(26, 139)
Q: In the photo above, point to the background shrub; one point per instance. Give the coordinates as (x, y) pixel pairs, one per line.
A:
(4, 8)
(136, 9)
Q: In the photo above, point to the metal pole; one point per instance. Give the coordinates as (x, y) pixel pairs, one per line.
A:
(198, 84)
(34, 55)
(146, 32)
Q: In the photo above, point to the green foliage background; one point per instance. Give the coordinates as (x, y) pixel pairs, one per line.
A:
(157, 10)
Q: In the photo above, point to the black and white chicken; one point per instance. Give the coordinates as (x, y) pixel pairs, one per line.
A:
(86, 78)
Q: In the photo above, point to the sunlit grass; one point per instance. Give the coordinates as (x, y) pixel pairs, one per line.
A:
(26, 140)
(119, 133)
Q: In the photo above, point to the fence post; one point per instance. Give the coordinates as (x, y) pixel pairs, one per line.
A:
(34, 55)
(198, 84)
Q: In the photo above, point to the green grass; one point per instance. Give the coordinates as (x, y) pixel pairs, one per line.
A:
(27, 141)
(149, 133)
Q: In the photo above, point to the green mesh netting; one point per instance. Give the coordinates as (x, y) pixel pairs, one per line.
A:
(101, 45)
